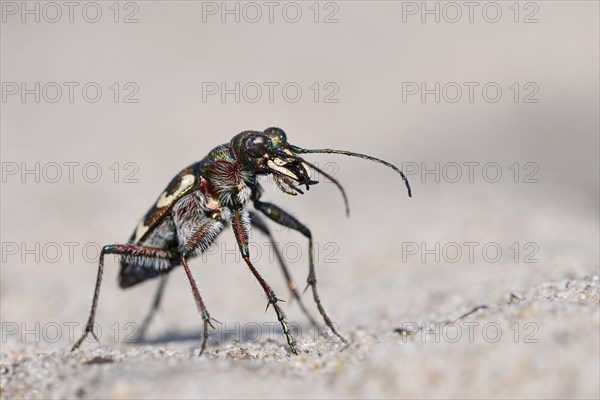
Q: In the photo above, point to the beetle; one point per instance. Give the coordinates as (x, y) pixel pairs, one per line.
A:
(206, 197)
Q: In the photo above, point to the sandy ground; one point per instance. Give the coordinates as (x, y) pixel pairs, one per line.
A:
(518, 234)
(503, 350)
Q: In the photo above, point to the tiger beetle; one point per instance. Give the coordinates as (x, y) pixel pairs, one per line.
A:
(206, 196)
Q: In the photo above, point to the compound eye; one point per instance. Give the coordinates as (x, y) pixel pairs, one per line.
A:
(257, 146)
(282, 136)
(278, 132)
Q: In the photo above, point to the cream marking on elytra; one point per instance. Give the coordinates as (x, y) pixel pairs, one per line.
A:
(166, 200)
(140, 231)
(163, 201)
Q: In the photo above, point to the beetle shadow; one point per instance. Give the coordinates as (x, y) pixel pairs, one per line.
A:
(259, 333)
(169, 337)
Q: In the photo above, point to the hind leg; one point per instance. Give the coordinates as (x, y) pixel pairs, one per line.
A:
(125, 250)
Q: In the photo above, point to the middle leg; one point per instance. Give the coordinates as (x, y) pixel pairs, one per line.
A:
(195, 233)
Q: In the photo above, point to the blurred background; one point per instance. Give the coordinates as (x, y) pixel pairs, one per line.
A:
(490, 108)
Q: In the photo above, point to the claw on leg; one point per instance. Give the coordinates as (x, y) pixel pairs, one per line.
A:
(240, 221)
(121, 249)
(200, 304)
(260, 225)
(88, 330)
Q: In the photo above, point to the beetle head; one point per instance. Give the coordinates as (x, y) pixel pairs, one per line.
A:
(269, 152)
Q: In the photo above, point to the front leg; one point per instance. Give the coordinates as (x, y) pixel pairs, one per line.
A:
(240, 221)
(283, 218)
(261, 226)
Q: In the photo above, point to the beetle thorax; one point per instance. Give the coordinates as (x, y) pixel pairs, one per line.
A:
(238, 194)
(231, 184)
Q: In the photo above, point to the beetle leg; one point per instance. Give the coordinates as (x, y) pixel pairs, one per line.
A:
(240, 221)
(261, 226)
(205, 229)
(153, 309)
(199, 303)
(122, 249)
(283, 218)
